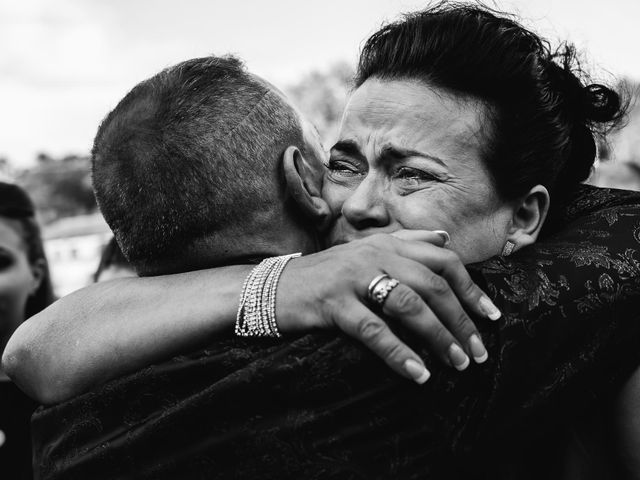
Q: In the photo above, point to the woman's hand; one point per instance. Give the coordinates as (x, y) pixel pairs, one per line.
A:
(329, 289)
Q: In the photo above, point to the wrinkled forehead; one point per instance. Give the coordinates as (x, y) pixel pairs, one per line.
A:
(414, 114)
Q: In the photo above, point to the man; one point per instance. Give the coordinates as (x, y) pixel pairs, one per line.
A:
(316, 407)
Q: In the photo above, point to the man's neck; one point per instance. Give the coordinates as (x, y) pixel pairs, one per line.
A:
(237, 249)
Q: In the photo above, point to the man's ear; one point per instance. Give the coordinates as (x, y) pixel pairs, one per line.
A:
(304, 183)
(528, 217)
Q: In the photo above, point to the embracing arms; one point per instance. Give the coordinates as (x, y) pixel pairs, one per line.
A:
(110, 329)
(116, 327)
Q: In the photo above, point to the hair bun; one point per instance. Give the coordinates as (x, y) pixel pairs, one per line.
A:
(601, 104)
(592, 103)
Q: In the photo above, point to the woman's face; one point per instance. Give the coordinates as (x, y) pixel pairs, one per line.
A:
(16, 278)
(409, 157)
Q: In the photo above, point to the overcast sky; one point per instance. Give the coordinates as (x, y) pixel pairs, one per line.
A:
(64, 64)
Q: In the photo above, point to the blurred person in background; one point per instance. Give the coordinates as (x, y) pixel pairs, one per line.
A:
(25, 289)
(113, 264)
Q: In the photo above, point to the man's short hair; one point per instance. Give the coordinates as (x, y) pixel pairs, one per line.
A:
(192, 151)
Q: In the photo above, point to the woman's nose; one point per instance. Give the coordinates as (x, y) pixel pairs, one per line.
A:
(365, 208)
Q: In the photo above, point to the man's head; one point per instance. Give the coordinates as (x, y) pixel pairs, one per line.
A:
(188, 168)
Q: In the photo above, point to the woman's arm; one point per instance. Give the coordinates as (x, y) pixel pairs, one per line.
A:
(116, 327)
(110, 329)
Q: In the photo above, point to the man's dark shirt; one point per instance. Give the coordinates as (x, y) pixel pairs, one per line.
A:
(321, 406)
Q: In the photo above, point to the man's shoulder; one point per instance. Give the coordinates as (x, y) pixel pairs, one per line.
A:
(587, 203)
(595, 237)
(229, 357)
(236, 394)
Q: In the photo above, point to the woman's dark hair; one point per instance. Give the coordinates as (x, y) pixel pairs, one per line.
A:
(544, 116)
(16, 205)
(112, 256)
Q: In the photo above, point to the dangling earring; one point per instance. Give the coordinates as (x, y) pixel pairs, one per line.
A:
(508, 248)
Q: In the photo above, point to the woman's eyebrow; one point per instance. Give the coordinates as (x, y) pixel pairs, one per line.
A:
(396, 153)
(350, 148)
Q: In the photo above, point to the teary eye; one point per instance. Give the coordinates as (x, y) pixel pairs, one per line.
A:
(413, 176)
(343, 167)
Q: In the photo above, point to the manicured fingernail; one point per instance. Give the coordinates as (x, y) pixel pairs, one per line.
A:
(478, 351)
(488, 308)
(445, 236)
(458, 358)
(418, 372)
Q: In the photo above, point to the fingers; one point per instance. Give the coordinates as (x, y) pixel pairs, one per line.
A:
(361, 323)
(470, 295)
(410, 310)
(435, 237)
(437, 276)
(444, 308)
(448, 265)
(433, 300)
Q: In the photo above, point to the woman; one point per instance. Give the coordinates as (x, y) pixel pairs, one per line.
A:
(25, 289)
(518, 126)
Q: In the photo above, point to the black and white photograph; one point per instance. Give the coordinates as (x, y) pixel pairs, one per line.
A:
(309, 240)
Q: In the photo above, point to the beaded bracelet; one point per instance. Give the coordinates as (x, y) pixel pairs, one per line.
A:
(257, 310)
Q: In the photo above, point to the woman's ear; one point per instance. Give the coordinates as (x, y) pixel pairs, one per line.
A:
(528, 217)
(38, 270)
(304, 183)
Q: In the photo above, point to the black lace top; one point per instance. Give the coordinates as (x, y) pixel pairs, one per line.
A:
(322, 407)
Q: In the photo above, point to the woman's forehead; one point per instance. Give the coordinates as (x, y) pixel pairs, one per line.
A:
(414, 115)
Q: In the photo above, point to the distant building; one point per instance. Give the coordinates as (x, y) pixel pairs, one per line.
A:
(616, 174)
(73, 246)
